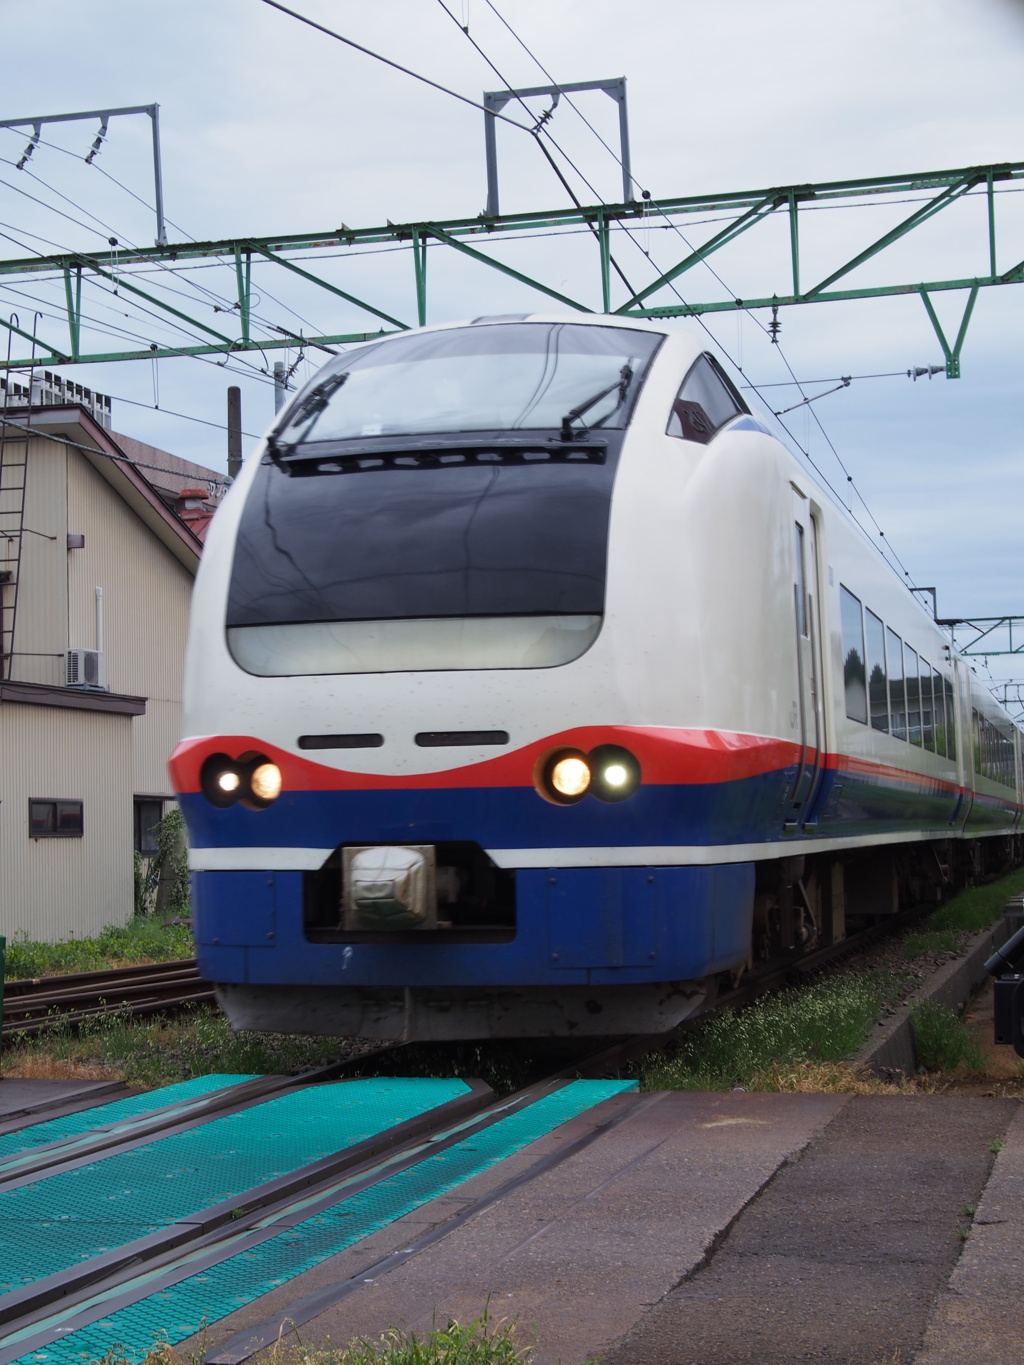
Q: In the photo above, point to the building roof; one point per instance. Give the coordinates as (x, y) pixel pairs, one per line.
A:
(113, 458)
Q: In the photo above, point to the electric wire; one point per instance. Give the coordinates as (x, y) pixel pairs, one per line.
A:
(671, 283)
(537, 131)
(107, 454)
(349, 42)
(226, 305)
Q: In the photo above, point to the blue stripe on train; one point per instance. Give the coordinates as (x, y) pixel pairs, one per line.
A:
(750, 810)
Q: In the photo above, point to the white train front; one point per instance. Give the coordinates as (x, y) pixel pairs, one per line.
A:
(533, 685)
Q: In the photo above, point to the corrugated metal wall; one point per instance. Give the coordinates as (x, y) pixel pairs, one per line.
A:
(65, 888)
(41, 622)
(146, 595)
(62, 888)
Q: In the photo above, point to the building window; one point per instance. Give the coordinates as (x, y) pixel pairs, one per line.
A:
(54, 819)
(149, 811)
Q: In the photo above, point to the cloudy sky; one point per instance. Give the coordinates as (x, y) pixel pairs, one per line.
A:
(268, 126)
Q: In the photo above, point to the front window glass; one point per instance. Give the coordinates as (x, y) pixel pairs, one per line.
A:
(492, 377)
(410, 517)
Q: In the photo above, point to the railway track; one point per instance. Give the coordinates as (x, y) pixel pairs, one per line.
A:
(31, 1004)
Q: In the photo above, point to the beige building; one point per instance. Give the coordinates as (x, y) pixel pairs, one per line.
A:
(96, 572)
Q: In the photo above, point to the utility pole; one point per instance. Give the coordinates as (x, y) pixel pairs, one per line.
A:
(280, 385)
(234, 431)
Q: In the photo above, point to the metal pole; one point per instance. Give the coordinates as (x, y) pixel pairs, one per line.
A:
(234, 431)
(161, 230)
(280, 386)
(627, 177)
(492, 104)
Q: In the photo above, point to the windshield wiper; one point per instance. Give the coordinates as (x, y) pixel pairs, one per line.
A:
(315, 401)
(622, 384)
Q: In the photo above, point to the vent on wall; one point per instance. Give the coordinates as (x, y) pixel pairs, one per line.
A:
(85, 668)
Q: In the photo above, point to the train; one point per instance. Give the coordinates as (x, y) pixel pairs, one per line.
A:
(536, 688)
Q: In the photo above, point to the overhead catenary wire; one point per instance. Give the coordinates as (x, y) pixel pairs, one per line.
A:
(887, 548)
(106, 454)
(377, 56)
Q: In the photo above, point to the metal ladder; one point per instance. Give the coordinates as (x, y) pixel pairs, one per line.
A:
(13, 471)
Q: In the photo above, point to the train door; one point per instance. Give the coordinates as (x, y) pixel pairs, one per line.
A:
(807, 635)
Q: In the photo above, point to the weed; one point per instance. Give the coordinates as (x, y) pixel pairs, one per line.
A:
(480, 1342)
(824, 1022)
(941, 1039)
(156, 1051)
(935, 941)
(978, 907)
(996, 1146)
(140, 940)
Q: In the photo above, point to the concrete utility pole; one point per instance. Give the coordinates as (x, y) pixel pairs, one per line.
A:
(280, 385)
(234, 431)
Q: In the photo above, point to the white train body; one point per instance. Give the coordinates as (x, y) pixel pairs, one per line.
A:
(781, 782)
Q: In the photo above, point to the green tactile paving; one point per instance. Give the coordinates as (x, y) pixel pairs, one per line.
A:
(60, 1220)
(118, 1111)
(176, 1313)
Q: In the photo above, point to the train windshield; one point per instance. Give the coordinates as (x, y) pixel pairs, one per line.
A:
(492, 377)
(420, 521)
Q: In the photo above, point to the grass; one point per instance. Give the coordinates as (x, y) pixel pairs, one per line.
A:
(942, 1041)
(824, 1022)
(143, 939)
(977, 907)
(800, 1040)
(152, 1052)
(931, 942)
(480, 1342)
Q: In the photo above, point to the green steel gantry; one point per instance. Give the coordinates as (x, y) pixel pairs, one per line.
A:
(931, 192)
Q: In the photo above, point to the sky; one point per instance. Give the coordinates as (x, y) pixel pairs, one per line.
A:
(268, 126)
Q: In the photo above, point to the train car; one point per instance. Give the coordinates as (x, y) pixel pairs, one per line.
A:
(534, 687)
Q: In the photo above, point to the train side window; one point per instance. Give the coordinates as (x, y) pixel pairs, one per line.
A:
(704, 403)
(878, 691)
(947, 688)
(976, 737)
(938, 715)
(801, 581)
(854, 678)
(913, 687)
(897, 690)
(927, 708)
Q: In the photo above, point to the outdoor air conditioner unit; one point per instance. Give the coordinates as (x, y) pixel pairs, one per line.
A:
(85, 668)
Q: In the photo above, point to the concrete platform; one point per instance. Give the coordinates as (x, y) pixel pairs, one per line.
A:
(581, 1253)
(979, 1317)
(843, 1256)
(20, 1097)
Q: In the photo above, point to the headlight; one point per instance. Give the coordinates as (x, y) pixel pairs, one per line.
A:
(616, 773)
(564, 777)
(220, 780)
(251, 779)
(265, 782)
(570, 776)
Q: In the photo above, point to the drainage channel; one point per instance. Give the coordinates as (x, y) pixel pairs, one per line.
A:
(160, 1234)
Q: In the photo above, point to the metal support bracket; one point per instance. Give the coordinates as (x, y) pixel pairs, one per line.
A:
(495, 101)
(104, 115)
(952, 353)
